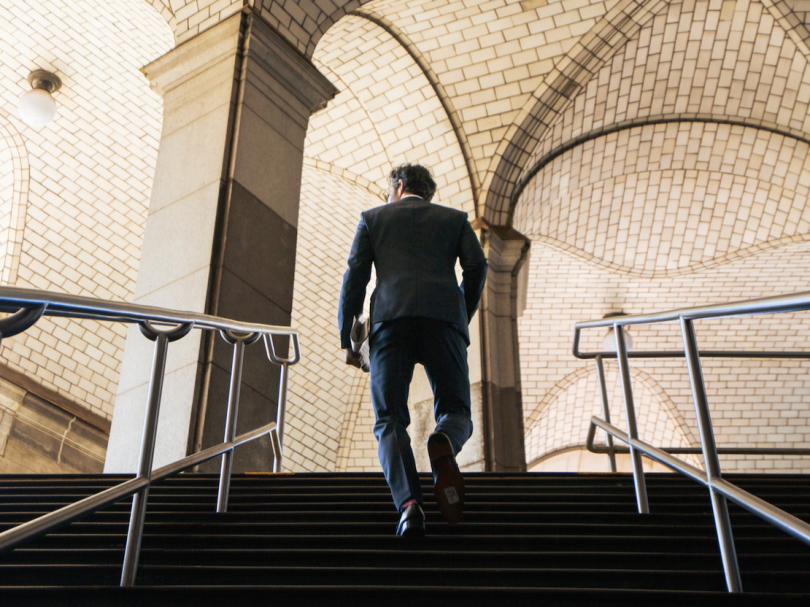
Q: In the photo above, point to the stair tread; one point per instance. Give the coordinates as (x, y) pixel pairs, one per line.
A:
(521, 533)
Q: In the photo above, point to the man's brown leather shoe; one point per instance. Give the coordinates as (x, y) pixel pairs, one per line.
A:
(448, 485)
(412, 522)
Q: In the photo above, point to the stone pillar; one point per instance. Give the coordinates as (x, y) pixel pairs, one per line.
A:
(502, 302)
(221, 231)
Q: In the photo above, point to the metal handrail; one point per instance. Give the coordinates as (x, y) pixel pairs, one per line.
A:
(720, 490)
(161, 326)
(75, 306)
(793, 302)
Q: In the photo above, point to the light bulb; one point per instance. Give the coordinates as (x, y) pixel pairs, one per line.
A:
(609, 343)
(37, 108)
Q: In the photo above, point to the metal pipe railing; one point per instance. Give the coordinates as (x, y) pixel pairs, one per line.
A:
(284, 363)
(630, 414)
(722, 522)
(75, 306)
(720, 490)
(776, 516)
(603, 398)
(59, 518)
(239, 342)
(161, 326)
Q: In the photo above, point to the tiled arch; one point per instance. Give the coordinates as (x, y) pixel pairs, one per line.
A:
(562, 290)
(438, 89)
(561, 419)
(166, 10)
(375, 122)
(549, 155)
(631, 84)
(682, 65)
(559, 87)
(671, 198)
(13, 211)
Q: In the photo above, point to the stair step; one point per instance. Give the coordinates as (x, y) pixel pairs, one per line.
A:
(743, 523)
(411, 557)
(373, 596)
(573, 539)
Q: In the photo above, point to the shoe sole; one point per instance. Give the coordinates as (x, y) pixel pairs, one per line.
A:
(449, 486)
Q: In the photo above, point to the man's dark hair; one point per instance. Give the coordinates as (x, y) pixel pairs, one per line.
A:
(415, 178)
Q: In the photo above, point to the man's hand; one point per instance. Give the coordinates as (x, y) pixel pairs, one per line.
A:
(352, 358)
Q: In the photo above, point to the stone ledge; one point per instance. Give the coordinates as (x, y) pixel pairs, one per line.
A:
(40, 437)
(29, 385)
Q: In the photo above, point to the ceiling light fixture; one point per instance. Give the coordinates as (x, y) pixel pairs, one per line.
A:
(37, 107)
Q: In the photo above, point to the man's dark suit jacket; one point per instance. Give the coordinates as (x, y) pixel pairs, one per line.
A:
(414, 245)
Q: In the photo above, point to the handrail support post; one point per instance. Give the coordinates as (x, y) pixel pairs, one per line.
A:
(277, 436)
(630, 412)
(711, 460)
(280, 412)
(600, 375)
(138, 513)
(230, 421)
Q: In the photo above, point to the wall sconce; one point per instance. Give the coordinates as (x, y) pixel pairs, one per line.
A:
(37, 107)
(609, 343)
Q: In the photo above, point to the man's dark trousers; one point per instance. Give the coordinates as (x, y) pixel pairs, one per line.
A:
(395, 347)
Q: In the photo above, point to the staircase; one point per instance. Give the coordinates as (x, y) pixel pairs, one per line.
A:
(328, 539)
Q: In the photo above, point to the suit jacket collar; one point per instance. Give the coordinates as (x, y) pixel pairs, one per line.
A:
(414, 200)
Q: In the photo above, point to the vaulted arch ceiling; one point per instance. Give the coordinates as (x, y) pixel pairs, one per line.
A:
(729, 62)
(509, 67)
(387, 112)
(739, 67)
(489, 57)
(716, 173)
(555, 91)
(671, 198)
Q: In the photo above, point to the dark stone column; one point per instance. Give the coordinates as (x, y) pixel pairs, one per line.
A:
(507, 253)
(221, 233)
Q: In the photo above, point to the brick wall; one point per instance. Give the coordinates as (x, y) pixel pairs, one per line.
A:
(648, 217)
(386, 113)
(81, 202)
(322, 388)
(753, 402)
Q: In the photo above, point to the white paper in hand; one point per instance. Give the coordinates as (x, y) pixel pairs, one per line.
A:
(359, 339)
